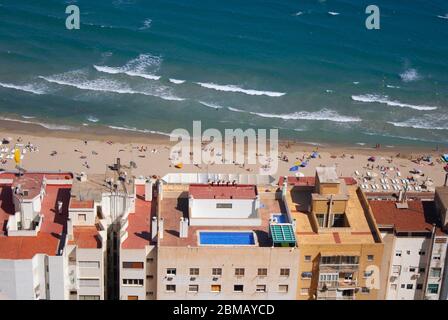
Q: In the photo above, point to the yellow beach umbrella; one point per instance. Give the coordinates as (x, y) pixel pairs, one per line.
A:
(17, 155)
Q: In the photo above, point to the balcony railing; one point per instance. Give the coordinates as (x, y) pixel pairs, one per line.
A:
(338, 284)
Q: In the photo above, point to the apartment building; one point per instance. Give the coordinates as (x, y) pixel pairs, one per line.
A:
(220, 237)
(339, 243)
(36, 241)
(441, 203)
(415, 249)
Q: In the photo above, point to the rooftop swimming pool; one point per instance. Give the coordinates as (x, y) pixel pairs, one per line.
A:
(227, 238)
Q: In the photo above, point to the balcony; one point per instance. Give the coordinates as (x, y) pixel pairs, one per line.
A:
(339, 284)
(333, 268)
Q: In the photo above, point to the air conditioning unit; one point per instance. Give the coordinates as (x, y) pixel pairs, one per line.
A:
(169, 278)
(193, 279)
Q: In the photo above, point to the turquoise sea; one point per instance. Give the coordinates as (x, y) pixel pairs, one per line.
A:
(309, 68)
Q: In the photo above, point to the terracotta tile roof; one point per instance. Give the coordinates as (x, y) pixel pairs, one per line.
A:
(139, 229)
(419, 217)
(86, 237)
(81, 204)
(53, 224)
(208, 191)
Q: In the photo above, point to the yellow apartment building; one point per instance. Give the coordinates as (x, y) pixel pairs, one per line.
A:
(339, 243)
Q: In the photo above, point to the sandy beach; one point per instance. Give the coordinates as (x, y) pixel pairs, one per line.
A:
(91, 150)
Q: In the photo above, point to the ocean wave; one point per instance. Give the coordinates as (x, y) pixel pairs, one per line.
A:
(235, 109)
(176, 81)
(322, 115)
(92, 119)
(233, 88)
(144, 66)
(418, 124)
(211, 105)
(105, 85)
(372, 98)
(28, 117)
(332, 13)
(133, 129)
(26, 88)
(410, 75)
(146, 24)
(299, 13)
(392, 87)
(443, 17)
(48, 126)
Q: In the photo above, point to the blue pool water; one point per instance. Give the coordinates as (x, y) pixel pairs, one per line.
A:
(226, 238)
(280, 218)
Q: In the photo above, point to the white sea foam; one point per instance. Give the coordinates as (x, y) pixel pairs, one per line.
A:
(146, 24)
(443, 17)
(418, 124)
(392, 87)
(92, 119)
(176, 81)
(374, 98)
(235, 109)
(105, 85)
(332, 13)
(410, 75)
(144, 66)
(298, 13)
(322, 115)
(211, 105)
(26, 88)
(133, 129)
(233, 88)
(49, 126)
(356, 82)
(28, 117)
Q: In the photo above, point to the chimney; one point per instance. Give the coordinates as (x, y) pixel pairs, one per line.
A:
(160, 190)
(60, 207)
(148, 190)
(400, 196)
(183, 227)
(161, 228)
(154, 228)
(70, 229)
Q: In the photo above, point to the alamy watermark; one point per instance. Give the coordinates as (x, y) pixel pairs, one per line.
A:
(237, 147)
(73, 20)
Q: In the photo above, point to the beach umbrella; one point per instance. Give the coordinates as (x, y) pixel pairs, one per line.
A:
(295, 168)
(179, 165)
(297, 163)
(371, 159)
(304, 164)
(299, 174)
(314, 155)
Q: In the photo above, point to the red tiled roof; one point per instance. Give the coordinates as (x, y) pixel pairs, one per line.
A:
(86, 237)
(310, 181)
(81, 204)
(208, 191)
(418, 217)
(53, 224)
(139, 227)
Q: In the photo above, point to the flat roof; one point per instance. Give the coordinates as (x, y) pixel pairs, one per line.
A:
(298, 200)
(310, 181)
(86, 237)
(81, 204)
(443, 195)
(139, 222)
(172, 209)
(418, 217)
(214, 191)
(327, 175)
(51, 232)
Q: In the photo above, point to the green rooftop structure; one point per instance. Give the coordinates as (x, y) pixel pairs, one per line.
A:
(282, 235)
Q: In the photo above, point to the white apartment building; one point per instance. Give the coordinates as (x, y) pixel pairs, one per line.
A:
(415, 249)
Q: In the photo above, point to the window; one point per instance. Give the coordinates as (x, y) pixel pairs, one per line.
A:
(398, 253)
(409, 286)
(436, 257)
(393, 287)
(419, 286)
(260, 288)
(133, 282)
(239, 272)
(421, 253)
(365, 290)
(82, 217)
(307, 258)
(171, 271)
(421, 270)
(223, 206)
(262, 272)
(304, 291)
(194, 271)
(283, 288)
(370, 257)
(238, 288)
(435, 272)
(132, 265)
(320, 219)
(411, 269)
(403, 286)
(89, 264)
(284, 272)
(368, 273)
(216, 271)
(88, 297)
(89, 282)
(433, 288)
(408, 252)
(328, 277)
(193, 288)
(215, 288)
(170, 288)
(307, 275)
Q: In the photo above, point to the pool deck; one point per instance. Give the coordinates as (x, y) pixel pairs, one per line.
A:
(173, 209)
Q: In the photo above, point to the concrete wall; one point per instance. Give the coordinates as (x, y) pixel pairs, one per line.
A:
(184, 258)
